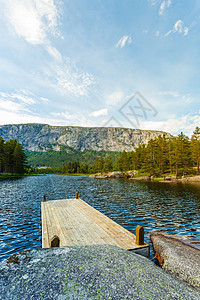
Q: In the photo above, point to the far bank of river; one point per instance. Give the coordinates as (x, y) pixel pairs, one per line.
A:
(132, 175)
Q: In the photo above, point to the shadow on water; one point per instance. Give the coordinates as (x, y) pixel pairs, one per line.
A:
(173, 207)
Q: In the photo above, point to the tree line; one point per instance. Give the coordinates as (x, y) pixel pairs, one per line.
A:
(177, 155)
(12, 157)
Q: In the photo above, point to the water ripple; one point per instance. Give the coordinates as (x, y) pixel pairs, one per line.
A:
(174, 208)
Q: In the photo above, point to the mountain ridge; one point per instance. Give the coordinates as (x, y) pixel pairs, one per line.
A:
(43, 137)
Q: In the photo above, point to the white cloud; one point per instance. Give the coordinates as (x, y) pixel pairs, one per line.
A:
(168, 33)
(122, 42)
(186, 30)
(153, 2)
(44, 99)
(114, 98)
(187, 98)
(69, 119)
(8, 105)
(178, 28)
(54, 53)
(185, 124)
(23, 98)
(32, 20)
(12, 114)
(101, 112)
(69, 78)
(19, 101)
(165, 4)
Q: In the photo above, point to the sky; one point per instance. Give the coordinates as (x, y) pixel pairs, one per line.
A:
(132, 64)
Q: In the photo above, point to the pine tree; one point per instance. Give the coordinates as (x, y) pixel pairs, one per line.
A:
(19, 159)
(195, 147)
(9, 158)
(107, 164)
(181, 152)
(162, 153)
(150, 161)
(1, 154)
(170, 154)
(99, 164)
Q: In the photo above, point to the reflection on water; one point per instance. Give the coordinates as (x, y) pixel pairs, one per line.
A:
(173, 207)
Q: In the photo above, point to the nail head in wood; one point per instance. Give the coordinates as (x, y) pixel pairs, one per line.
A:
(139, 235)
(44, 198)
(55, 241)
(77, 195)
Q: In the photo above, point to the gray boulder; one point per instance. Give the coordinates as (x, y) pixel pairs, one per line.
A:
(178, 258)
(89, 272)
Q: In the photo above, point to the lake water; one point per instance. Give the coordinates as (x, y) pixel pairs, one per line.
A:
(172, 207)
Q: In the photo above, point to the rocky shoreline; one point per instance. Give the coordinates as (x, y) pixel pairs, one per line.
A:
(132, 176)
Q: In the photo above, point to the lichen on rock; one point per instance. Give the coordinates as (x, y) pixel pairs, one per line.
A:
(88, 272)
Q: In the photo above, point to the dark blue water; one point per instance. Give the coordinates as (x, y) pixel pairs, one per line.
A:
(173, 207)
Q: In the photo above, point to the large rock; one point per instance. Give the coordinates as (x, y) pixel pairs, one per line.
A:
(90, 272)
(178, 258)
(114, 175)
(41, 137)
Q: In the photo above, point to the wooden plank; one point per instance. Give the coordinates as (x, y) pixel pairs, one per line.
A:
(76, 223)
(45, 235)
(112, 228)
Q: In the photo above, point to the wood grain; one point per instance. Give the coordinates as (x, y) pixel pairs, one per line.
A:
(76, 223)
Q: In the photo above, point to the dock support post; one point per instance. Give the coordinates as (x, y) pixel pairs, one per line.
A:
(77, 195)
(44, 198)
(139, 235)
(55, 241)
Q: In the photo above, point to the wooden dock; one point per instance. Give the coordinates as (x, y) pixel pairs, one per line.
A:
(72, 222)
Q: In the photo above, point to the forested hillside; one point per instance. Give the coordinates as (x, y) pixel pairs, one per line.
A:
(57, 159)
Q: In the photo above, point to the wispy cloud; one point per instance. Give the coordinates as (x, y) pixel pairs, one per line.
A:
(178, 28)
(54, 53)
(153, 2)
(68, 77)
(122, 42)
(114, 98)
(33, 20)
(19, 100)
(98, 113)
(186, 124)
(66, 118)
(187, 98)
(165, 4)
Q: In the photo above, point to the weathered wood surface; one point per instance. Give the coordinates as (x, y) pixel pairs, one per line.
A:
(78, 224)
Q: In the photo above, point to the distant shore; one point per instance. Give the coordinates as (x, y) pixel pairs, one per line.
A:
(12, 176)
(132, 175)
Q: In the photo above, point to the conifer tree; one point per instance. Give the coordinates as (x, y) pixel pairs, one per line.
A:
(107, 164)
(1, 154)
(99, 164)
(151, 152)
(195, 147)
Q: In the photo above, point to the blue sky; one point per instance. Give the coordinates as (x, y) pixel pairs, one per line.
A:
(80, 62)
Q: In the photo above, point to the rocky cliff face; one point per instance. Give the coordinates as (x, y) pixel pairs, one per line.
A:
(41, 137)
